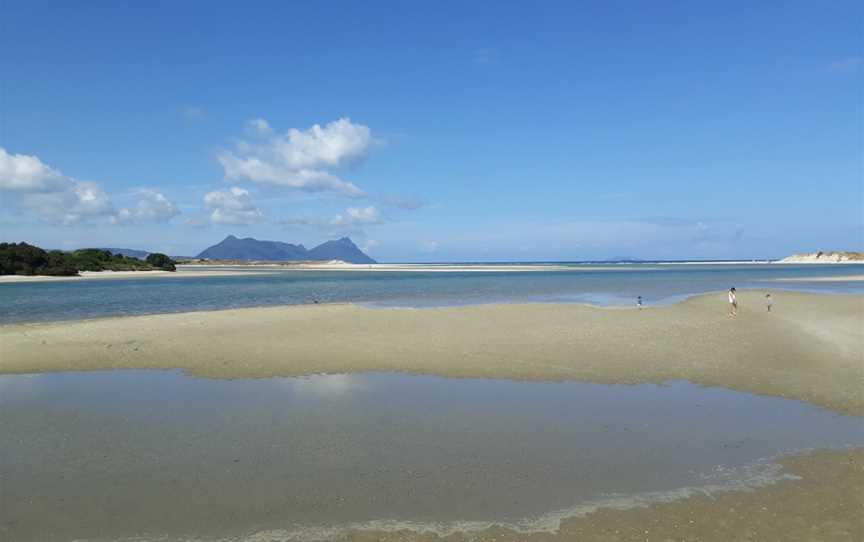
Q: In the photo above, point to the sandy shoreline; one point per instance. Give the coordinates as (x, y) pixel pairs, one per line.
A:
(809, 348)
(822, 502)
(109, 275)
(844, 278)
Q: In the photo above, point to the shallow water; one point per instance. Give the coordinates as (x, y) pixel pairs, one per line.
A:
(159, 455)
(601, 285)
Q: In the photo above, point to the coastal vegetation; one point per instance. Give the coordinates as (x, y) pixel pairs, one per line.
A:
(26, 259)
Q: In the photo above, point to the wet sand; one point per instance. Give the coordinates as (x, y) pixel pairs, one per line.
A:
(809, 348)
(340, 453)
(825, 503)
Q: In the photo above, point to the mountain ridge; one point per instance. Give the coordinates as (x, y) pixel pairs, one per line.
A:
(249, 248)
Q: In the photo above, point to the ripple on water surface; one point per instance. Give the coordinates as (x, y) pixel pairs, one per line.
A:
(156, 454)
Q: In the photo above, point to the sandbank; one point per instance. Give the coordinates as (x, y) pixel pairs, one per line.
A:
(809, 348)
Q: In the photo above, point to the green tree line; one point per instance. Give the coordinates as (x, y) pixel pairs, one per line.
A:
(26, 259)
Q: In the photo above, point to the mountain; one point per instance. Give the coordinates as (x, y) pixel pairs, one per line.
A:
(232, 248)
(341, 249)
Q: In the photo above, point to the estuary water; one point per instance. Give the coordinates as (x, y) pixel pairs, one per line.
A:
(157, 455)
(569, 283)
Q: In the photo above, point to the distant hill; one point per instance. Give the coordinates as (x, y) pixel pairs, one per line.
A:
(128, 252)
(232, 248)
(341, 249)
(825, 257)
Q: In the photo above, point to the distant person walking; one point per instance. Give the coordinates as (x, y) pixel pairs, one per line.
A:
(639, 302)
(733, 303)
(769, 302)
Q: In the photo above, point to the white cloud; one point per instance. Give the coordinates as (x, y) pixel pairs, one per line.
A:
(48, 194)
(301, 158)
(78, 202)
(370, 245)
(24, 173)
(431, 246)
(152, 206)
(357, 216)
(350, 221)
(232, 206)
(354, 218)
(259, 127)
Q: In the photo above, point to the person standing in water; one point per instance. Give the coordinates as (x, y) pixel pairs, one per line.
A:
(639, 302)
(733, 303)
(769, 302)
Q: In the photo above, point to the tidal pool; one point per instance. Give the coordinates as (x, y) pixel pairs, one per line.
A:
(158, 455)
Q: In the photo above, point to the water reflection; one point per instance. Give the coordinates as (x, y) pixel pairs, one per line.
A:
(111, 455)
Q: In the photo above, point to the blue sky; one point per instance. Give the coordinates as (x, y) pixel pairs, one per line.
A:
(433, 131)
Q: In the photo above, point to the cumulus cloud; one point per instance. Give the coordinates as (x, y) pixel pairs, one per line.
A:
(300, 159)
(152, 206)
(76, 203)
(232, 206)
(357, 216)
(351, 221)
(24, 173)
(48, 194)
(259, 127)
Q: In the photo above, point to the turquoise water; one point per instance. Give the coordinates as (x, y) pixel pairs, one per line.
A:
(601, 285)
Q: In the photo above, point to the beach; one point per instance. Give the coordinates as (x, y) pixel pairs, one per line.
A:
(809, 348)
(823, 502)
